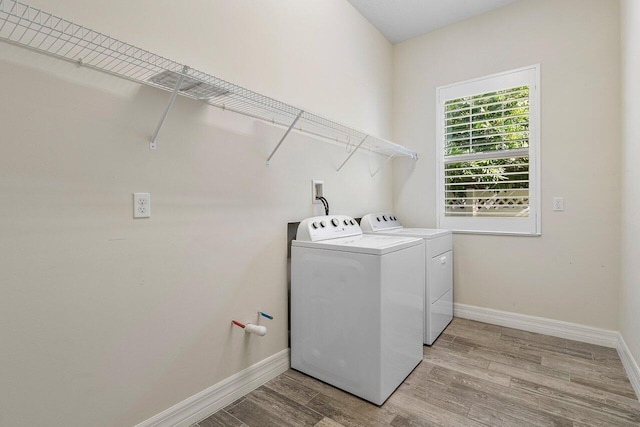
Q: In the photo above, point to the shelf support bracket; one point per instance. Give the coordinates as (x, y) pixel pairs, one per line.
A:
(383, 165)
(152, 144)
(284, 136)
(353, 152)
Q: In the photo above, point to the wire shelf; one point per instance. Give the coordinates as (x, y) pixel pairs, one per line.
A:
(29, 27)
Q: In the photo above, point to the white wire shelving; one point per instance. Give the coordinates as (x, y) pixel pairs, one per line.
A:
(32, 28)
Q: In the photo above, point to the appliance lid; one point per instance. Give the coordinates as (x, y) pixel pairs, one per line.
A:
(371, 244)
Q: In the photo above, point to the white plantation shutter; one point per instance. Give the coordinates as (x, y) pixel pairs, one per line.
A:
(487, 131)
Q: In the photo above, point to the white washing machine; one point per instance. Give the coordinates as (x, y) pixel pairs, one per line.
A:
(437, 264)
(356, 306)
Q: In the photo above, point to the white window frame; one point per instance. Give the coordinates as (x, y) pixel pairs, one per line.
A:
(530, 225)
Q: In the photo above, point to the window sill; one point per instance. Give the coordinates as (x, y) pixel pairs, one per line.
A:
(497, 233)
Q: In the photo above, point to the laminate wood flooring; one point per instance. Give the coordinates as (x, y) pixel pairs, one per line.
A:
(475, 374)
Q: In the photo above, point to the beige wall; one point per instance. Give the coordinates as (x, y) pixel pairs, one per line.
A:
(571, 272)
(630, 289)
(108, 321)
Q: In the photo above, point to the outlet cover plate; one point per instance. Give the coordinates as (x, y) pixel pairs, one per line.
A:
(141, 205)
(558, 204)
(317, 189)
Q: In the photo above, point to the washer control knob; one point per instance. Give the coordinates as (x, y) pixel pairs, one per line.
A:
(346, 222)
(384, 217)
(323, 223)
(314, 225)
(335, 222)
(353, 222)
(378, 218)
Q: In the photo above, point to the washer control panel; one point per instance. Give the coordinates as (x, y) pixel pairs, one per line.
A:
(379, 221)
(327, 227)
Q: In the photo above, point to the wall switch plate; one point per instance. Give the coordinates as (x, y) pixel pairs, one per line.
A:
(141, 205)
(317, 190)
(558, 203)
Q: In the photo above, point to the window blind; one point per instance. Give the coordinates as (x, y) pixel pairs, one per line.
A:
(486, 154)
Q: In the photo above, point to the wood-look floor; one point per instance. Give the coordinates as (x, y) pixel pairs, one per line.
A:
(474, 375)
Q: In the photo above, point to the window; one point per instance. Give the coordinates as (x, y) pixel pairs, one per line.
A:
(488, 170)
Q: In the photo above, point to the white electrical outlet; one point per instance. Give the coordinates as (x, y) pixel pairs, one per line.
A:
(558, 203)
(141, 205)
(317, 190)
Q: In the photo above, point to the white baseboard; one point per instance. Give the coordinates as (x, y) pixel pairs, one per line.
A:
(541, 325)
(216, 397)
(630, 364)
(556, 328)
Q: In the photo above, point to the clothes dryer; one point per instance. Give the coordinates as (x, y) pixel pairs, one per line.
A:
(437, 264)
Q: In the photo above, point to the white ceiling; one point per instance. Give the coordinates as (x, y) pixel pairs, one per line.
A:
(399, 20)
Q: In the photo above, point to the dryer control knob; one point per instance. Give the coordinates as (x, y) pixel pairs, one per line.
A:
(323, 224)
(314, 225)
(378, 218)
(346, 222)
(353, 222)
(384, 217)
(335, 222)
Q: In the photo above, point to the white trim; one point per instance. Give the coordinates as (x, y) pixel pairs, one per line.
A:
(541, 325)
(216, 397)
(492, 76)
(531, 225)
(630, 364)
(496, 233)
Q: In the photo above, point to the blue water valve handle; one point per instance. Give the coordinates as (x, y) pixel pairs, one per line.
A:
(265, 315)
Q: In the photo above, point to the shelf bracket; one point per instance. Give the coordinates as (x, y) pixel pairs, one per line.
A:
(383, 165)
(284, 136)
(152, 144)
(353, 152)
